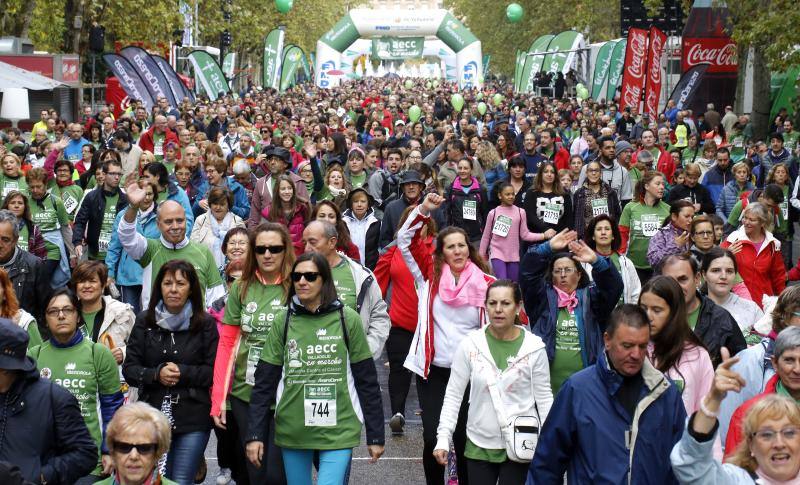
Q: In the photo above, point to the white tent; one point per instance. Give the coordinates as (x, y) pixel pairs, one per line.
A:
(15, 77)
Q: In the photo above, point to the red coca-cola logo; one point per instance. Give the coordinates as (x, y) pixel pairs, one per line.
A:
(656, 47)
(631, 96)
(637, 43)
(651, 101)
(720, 53)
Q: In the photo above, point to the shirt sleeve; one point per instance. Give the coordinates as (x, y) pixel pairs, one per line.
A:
(134, 243)
(359, 347)
(273, 350)
(233, 307)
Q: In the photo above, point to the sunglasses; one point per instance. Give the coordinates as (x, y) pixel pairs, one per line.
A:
(310, 276)
(271, 249)
(141, 448)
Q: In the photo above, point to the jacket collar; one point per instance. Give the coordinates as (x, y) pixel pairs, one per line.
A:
(739, 235)
(613, 380)
(298, 309)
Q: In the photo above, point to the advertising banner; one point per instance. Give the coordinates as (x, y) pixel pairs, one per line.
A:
(718, 52)
(652, 92)
(565, 43)
(209, 74)
(292, 60)
(533, 64)
(271, 66)
(601, 68)
(684, 91)
(129, 79)
(454, 33)
(149, 72)
(391, 48)
(177, 86)
(229, 64)
(615, 70)
(518, 65)
(634, 72)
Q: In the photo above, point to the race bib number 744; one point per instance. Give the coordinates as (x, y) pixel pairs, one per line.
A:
(319, 404)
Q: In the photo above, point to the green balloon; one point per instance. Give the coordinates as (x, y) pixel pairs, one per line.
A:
(497, 99)
(414, 113)
(436, 83)
(428, 85)
(514, 12)
(457, 101)
(479, 97)
(582, 92)
(482, 108)
(579, 86)
(409, 84)
(284, 6)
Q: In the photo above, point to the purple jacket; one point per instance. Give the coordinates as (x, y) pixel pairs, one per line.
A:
(663, 244)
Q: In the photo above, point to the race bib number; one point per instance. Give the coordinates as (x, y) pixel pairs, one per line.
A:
(501, 226)
(8, 188)
(738, 142)
(104, 241)
(252, 362)
(785, 210)
(551, 213)
(319, 404)
(470, 210)
(70, 204)
(158, 149)
(599, 207)
(650, 224)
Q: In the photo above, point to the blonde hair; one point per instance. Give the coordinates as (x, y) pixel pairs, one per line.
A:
(692, 168)
(487, 155)
(772, 406)
(132, 417)
(759, 210)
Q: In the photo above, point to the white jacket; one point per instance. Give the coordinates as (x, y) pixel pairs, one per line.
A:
(202, 232)
(118, 320)
(524, 389)
(630, 279)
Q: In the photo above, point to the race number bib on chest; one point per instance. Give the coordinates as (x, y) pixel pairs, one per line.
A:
(551, 213)
(70, 203)
(470, 210)
(502, 225)
(252, 362)
(319, 404)
(785, 210)
(650, 224)
(599, 207)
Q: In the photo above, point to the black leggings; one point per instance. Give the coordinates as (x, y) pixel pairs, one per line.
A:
(230, 452)
(506, 473)
(271, 471)
(397, 346)
(431, 397)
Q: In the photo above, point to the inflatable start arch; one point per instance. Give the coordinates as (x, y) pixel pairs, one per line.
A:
(366, 23)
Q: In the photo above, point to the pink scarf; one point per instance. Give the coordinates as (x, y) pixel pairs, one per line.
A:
(764, 479)
(470, 289)
(568, 300)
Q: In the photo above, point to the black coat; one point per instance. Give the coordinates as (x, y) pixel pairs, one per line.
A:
(151, 347)
(716, 328)
(89, 219)
(454, 210)
(579, 205)
(698, 194)
(44, 433)
(31, 283)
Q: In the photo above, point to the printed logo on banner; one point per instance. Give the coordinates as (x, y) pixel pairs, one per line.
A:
(653, 86)
(635, 66)
(719, 53)
(470, 76)
(638, 45)
(324, 80)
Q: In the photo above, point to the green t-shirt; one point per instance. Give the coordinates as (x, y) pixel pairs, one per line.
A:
(34, 337)
(316, 409)
(24, 235)
(790, 141)
(567, 360)
(87, 370)
(88, 329)
(692, 317)
(106, 227)
(199, 256)
(71, 196)
(502, 352)
(7, 184)
(254, 314)
(643, 221)
(162, 196)
(344, 283)
(49, 215)
(357, 181)
(170, 166)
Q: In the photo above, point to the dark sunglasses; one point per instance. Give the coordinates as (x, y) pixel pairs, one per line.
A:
(141, 448)
(271, 249)
(310, 276)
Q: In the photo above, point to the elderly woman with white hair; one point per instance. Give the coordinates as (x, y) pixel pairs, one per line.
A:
(758, 253)
(137, 438)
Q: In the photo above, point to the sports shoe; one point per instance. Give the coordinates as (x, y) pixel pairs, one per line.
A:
(224, 476)
(396, 424)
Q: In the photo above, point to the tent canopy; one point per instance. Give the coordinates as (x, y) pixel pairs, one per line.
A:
(15, 77)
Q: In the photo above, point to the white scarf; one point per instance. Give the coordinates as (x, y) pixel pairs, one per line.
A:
(219, 229)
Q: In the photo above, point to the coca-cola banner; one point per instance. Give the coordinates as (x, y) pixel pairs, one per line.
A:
(684, 91)
(652, 92)
(633, 75)
(718, 52)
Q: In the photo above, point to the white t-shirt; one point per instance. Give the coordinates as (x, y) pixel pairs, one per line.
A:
(450, 326)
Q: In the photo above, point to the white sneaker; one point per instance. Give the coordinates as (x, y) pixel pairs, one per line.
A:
(224, 476)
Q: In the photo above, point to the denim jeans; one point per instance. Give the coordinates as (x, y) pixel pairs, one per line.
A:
(185, 453)
(132, 295)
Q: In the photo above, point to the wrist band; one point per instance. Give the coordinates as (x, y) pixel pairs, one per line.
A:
(705, 410)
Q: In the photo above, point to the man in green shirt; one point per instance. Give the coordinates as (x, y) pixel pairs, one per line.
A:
(173, 244)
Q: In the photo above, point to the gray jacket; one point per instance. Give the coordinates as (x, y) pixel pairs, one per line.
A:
(371, 306)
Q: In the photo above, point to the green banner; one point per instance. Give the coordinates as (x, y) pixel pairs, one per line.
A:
(342, 35)
(518, 65)
(292, 60)
(787, 93)
(453, 33)
(562, 42)
(273, 49)
(306, 65)
(228, 64)
(209, 74)
(486, 60)
(601, 65)
(532, 64)
(615, 70)
(391, 48)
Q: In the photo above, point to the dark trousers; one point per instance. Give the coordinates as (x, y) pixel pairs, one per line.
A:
(271, 471)
(431, 397)
(506, 473)
(397, 346)
(230, 452)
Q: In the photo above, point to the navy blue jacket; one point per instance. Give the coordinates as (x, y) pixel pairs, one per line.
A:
(586, 431)
(595, 302)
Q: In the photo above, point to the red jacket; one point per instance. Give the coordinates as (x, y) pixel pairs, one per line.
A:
(392, 270)
(763, 272)
(295, 226)
(560, 157)
(664, 164)
(146, 140)
(735, 433)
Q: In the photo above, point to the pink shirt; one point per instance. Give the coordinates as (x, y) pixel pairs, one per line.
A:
(506, 248)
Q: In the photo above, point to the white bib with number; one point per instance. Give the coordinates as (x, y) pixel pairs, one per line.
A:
(785, 210)
(599, 207)
(551, 213)
(252, 362)
(470, 210)
(70, 204)
(319, 404)
(104, 241)
(502, 225)
(650, 224)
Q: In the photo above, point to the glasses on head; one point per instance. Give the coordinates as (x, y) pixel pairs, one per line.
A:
(141, 448)
(564, 271)
(310, 276)
(68, 311)
(271, 249)
(769, 435)
(704, 233)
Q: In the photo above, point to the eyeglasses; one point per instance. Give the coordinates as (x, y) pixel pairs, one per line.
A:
(271, 249)
(768, 435)
(68, 311)
(310, 276)
(704, 233)
(564, 271)
(141, 448)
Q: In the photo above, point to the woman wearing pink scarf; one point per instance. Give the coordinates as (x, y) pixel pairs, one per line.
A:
(451, 286)
(568, 310)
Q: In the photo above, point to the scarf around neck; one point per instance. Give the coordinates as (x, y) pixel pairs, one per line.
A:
(470, 289)
(174, 322)
(566, 300)
(763, 479)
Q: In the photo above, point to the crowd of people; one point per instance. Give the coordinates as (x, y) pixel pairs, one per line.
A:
(564, 283)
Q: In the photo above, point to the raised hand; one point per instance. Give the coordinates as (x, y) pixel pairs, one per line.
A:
(311, 150)
(562, 239)
(725, 379)
(432, 202)
(135, 194)
(682, 239)
(582, 252)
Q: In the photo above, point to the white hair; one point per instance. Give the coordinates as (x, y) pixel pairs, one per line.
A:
(240, 167)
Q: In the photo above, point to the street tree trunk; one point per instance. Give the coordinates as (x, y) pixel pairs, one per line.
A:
(761, 95)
